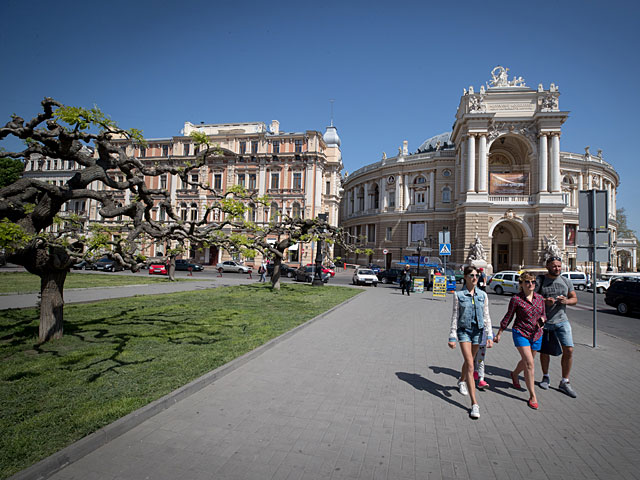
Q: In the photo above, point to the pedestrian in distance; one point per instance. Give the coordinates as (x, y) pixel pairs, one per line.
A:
(558, 292)
(405, 280)
(482, 280)
(528, 308)
(469, 321)
(262, 270)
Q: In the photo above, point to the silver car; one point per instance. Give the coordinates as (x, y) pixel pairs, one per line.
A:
(505, 282)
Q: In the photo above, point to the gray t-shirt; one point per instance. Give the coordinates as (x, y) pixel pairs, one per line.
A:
(554, 287)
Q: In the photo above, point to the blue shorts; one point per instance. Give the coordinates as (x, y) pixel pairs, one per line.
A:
(563, 332)
(472, 334)
(520, 341)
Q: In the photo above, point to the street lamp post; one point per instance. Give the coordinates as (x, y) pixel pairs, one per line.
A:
(317, 277)
(420, 245)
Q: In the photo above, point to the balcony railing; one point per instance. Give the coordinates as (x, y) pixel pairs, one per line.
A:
(513, 199)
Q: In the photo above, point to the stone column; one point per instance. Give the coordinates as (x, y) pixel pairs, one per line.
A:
(405, 182)
(555, 163)
(432, 190)
(366, 197)
(470, 176)
(542, 164)
(482, 163)
(262, 180)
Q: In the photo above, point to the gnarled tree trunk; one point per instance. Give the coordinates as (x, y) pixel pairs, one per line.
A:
(51, 304)
(275, 276)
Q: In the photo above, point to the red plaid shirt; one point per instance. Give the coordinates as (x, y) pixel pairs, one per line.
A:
(527, 315)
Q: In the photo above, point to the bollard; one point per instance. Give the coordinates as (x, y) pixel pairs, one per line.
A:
(220, 272)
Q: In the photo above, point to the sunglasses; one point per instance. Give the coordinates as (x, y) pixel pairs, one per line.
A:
(473, 275)
(532, 282)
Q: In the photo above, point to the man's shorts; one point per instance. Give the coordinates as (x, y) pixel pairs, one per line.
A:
(521, 341)
(563, 332)
(473, 334)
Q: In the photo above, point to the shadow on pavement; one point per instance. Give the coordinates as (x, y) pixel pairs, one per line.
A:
(491, 372)
(420, 383)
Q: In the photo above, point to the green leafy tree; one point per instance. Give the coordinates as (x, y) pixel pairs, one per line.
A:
(10, 171)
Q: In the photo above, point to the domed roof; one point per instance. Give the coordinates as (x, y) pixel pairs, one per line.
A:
(432, 143)
(331, 137)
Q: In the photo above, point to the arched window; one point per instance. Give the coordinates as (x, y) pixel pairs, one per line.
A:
(194, 212)
(446, 195)
(361, 199)
(295, 210)
(183, 211)
(275, 213)
(420, 180)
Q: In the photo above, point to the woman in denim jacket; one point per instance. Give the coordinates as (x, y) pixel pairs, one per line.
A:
(470, 318)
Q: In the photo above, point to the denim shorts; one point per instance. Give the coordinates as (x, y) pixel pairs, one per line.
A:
(563, 332)
(521, 341)
(472, 334)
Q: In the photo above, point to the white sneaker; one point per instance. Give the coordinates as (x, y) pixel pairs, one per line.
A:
(475, 411)
(462, 387)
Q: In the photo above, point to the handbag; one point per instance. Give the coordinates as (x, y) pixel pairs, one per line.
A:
(551, 343)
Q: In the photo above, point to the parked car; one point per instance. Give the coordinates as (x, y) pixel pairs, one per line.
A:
(601, 286)
(504, 282)
(376, 268)
(324, 269)
(624, 295)
(365, 276)
(306, 274)
(232, 266)
(579, 279)
(82, 265)
(389, 276)
(285, 270)
(183, 264)
(459, 276)
(158, 269)
(107, 265)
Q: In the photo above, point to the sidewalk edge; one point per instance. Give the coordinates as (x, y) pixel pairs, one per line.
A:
(74, 452)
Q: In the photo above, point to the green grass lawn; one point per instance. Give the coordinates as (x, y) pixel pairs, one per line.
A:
(118, 355)
(23, 282)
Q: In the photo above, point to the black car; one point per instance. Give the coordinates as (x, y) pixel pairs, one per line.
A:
(82, 265)
(306, 274)
(185, 264)
(285, 270)
(624, 295)
(107, 265)
(389, 276)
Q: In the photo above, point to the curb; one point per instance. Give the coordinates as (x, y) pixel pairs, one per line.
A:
(74, 452)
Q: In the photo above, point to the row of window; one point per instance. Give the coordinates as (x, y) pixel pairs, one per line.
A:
(367, 233)
(419, 198)
(273, 212)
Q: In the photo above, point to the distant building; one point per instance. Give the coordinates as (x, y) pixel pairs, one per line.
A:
(499, 175)
(299, 171)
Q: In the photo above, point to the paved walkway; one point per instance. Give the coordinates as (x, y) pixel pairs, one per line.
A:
(369, 392)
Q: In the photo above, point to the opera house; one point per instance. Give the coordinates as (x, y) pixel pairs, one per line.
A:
(499, 176)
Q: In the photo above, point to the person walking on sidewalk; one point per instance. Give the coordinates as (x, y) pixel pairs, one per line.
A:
(405, 279)
(528, 307)
(469, 320)
(262, 270)
(558, 292)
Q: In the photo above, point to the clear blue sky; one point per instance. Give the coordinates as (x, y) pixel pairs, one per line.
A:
(395, 69)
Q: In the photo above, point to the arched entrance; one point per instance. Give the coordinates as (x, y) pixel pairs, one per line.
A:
(507, 246)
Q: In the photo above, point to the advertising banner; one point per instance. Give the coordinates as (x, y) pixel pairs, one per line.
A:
(439, 286)
(418, 284)
(570, 235)
(509, 183)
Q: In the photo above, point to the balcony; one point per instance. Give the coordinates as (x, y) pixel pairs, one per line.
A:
(513, 199)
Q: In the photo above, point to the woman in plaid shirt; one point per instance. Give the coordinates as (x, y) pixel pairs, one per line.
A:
(528, 307)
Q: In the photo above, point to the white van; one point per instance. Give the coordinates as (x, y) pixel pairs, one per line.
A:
(579, 279)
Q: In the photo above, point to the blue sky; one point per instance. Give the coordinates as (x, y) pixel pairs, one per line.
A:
(395, 69)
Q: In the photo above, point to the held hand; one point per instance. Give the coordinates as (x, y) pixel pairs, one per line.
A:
(549, 301)
(489, 343)
(452, 345)
(496, 339)
(561, 299)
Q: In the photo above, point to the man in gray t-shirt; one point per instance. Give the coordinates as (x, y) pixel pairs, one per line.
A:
(558, 292)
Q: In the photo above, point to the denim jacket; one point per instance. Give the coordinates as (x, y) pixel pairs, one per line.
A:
(466, 306)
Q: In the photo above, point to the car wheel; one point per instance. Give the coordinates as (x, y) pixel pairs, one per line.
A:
(600, 289)
(623, 308)
(385, 280)
(375, 284)
(499, 290)
(580, 287)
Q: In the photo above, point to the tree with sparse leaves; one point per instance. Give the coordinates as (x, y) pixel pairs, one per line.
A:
(29, 207)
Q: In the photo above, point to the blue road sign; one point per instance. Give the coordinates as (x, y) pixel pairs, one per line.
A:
(445, 249)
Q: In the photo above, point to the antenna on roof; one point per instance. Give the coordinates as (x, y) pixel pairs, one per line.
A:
(331, 100)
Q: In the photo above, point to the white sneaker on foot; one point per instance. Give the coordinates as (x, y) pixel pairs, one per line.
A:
(544, 384)
(475, 411)
(462, 387)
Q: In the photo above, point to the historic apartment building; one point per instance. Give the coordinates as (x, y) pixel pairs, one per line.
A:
(299, 171)
(500, 175)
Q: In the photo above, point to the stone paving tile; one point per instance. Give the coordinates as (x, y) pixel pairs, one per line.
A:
(369, 392)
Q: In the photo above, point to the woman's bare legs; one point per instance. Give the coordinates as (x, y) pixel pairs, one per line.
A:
(468, 353)
(526, 364)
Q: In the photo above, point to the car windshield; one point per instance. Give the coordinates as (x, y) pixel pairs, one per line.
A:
(365, 272)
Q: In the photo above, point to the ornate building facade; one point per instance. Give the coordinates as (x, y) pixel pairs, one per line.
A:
(298, 171)
(499, 175)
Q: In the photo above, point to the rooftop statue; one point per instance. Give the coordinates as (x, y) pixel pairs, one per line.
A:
(500, 78)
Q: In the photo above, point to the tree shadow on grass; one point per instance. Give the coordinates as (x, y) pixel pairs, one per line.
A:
(420, 383)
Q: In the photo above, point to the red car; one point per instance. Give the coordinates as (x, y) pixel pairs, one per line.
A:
(158, 269)
(324, 269)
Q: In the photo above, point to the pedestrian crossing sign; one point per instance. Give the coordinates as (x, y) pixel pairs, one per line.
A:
(445, 249)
